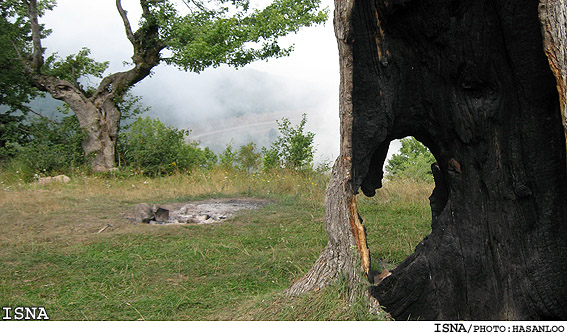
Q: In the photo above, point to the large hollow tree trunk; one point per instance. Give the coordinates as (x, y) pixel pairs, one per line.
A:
(470, 80)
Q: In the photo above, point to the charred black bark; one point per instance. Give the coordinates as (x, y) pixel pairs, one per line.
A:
(471, 81)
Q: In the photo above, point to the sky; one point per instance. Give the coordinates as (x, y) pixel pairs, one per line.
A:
(305, 82)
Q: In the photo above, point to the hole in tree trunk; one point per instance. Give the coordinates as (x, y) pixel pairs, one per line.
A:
(471, 81)
(411, 190)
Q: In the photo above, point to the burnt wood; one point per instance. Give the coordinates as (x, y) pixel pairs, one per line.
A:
(470, 80)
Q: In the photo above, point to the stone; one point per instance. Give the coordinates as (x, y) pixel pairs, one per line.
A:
(52, 179)
(161, 214)
(143, 213)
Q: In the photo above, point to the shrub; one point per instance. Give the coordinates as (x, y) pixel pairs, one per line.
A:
(292, 149)
(270, 158)
(12, 133)
(50, 147)
(247, 157)
(150, 147)
(227, 159)
(414, 161)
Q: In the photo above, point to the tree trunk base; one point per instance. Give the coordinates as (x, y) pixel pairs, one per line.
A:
(346, 253)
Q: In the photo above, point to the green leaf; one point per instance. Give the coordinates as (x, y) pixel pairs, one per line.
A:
(74, 67)
(414, 161)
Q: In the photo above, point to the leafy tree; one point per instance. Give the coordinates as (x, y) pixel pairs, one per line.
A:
(247, 157)
(271, 158)
(15, 87)
(292, 149)
(212, 33)
(414, 161)
(150, 147)
(227, 159)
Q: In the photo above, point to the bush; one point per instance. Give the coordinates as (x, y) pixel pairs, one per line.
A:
(50, 147)
(270, 158)
(227, 159)
(150, 147)
(12, 133)
(247, 157)
(292, 149)
(414, 161)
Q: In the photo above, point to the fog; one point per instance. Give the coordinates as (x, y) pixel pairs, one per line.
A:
(220, 105)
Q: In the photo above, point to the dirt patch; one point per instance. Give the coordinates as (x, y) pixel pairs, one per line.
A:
(198, 212)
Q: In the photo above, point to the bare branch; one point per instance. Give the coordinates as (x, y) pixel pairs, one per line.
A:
(28, 109)
(124, 17)
(197, 4)
(37, 55)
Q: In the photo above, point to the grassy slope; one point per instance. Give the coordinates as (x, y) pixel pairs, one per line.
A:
(54, 257)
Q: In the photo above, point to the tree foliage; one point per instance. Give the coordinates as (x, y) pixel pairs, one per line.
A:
(292, 149)
(197, 36)
(227, 158)
(15, 87)
(75, 67)
(150, 147)
(248, 158)
(414, 161)
(49, 147)
(233, 33)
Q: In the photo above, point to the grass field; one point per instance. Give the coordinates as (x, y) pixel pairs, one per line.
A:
(53, 255)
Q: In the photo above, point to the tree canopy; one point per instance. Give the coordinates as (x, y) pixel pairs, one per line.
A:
(195, 35)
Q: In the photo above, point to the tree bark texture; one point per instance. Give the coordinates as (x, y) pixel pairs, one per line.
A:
(470, 80)
(98, 116)
(553, 17)
(347, 251)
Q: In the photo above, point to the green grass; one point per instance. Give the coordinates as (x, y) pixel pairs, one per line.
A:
(397, 219)
(53, 256)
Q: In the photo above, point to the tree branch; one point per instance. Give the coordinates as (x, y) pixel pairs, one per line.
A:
(37, 54)
(124, 17)
(147, 48)
(25, 108)
(20, 58)
(145, 7)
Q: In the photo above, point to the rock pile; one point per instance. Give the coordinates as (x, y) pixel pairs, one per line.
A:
(202, 212)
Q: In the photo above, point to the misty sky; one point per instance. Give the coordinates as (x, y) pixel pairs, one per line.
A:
(305, 82)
